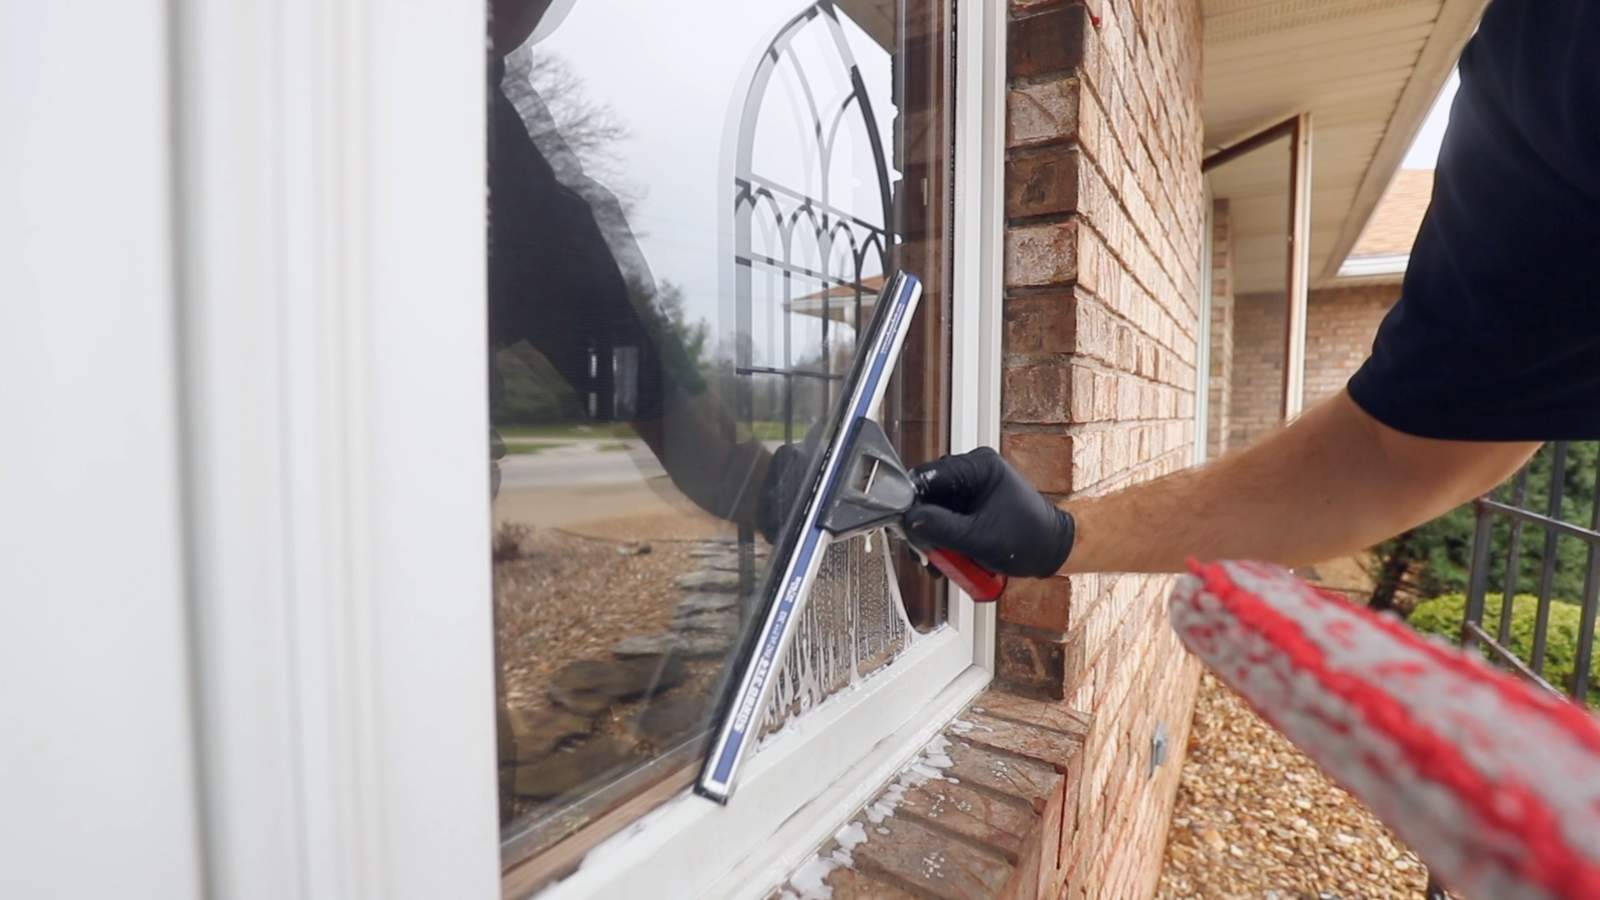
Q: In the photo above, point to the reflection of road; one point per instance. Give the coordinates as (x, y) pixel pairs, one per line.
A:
(613, 493)
(579, 462)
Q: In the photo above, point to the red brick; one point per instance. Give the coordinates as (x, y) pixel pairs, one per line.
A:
(1040, 713)
(1030, 661)
(1038, 602)
(1036, 393)
(853, 884)
(1040, 255)
(1029, 782)
(1046, 459)
(1082, 396)
(1052, 748)
(1042, 183)
(1106, 392)
(927, 860)
(1049, 42)
(1346, 321)
(996, 823)
(1042, 323)
(1043, 112)
(1125, 98)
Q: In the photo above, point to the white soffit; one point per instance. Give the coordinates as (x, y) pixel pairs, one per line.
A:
(1366, 70)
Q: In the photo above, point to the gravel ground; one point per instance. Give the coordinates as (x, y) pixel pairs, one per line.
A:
(1256, 818)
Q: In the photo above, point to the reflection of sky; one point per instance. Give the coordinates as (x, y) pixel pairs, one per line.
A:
(675, 76)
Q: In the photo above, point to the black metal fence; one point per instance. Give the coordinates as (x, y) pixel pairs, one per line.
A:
(1495, 637)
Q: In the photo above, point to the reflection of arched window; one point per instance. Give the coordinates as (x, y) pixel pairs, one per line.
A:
(812, 240)
(811, 195)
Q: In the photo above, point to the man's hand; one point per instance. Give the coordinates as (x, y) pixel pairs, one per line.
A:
(978, 505)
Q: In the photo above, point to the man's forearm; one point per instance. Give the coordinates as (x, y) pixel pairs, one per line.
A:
(697, 442)
(1334, 482)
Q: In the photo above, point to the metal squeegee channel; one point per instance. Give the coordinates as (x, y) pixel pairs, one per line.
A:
(787, 595)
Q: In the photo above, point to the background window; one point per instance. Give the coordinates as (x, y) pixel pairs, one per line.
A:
(690, 215)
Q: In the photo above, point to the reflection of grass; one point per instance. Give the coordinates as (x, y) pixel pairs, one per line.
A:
(764, 430)
(613, 446)
(768, 430)
(528, 448)
(567, 431)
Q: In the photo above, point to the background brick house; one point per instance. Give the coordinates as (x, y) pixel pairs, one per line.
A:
(1342, 316)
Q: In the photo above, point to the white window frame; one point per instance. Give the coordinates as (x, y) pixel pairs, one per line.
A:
(329, 237)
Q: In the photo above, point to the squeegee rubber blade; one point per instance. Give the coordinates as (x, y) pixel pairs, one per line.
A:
(798, 553)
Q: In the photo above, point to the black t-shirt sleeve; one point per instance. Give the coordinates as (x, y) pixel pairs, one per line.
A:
(1496, 335)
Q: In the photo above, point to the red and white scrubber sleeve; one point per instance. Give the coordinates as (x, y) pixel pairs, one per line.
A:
(1494, 782)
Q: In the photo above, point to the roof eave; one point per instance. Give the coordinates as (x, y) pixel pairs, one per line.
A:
(1456, 23)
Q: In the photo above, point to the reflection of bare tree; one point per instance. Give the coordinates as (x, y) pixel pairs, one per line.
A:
(772, 398)
(576, 133)
(567, 275)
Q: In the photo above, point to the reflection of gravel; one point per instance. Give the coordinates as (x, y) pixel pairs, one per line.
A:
(1256, 818)
(571, 598)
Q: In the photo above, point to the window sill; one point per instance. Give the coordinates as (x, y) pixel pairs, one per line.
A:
(793, 790)
(981, 812)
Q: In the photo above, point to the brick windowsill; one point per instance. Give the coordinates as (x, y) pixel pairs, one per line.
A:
(979, 813)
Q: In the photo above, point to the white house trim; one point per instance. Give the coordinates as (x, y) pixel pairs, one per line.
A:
(331, 261)
(1374, 266)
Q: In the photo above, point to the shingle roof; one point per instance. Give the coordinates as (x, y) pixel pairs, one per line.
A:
(1394, 223)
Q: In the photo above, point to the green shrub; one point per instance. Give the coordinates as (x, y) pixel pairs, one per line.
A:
(1443, 616)
(1434, 559)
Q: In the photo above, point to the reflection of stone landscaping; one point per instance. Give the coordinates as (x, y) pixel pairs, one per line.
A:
(611, 652)
(589, 687)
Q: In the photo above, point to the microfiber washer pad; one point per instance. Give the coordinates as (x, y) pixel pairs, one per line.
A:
(1492, 780)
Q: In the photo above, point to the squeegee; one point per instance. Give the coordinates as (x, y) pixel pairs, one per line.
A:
(858, 484)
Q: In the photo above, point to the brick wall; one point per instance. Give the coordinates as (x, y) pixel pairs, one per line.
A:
(977, 815)
(1340, 324)
(1258, 331)
(1220, 378)
(1104, 208)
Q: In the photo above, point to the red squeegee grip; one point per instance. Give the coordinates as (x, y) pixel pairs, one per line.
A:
(979, 583)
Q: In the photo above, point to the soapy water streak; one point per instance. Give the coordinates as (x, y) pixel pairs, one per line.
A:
(853, 625)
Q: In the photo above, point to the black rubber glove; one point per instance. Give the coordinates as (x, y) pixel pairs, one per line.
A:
(976, 504)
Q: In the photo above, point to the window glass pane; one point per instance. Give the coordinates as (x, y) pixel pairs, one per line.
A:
(691, 213)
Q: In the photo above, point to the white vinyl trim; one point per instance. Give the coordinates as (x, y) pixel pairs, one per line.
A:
(330, 223)
(1367, 266)
(979, 236)
(97, 758)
